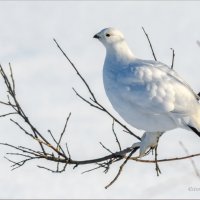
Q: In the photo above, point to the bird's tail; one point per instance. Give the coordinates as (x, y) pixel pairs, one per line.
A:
(194, 130)
(194, 123)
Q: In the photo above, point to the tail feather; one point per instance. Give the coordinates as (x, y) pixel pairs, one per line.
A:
(194, 130)
(194, 120)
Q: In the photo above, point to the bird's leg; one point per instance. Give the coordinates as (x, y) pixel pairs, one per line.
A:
(148, 142)
(150, 150)
(158, 171)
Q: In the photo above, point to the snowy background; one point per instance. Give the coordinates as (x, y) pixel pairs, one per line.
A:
(44, 82)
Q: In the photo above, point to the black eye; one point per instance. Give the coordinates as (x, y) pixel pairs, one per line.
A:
(107, 35)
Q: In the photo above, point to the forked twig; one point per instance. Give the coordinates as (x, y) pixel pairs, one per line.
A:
(121, 168)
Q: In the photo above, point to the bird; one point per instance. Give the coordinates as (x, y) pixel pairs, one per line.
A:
(147, 94)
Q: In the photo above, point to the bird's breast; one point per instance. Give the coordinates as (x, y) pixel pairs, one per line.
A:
(124, 99)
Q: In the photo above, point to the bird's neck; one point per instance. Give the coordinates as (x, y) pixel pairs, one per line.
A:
(119, 53)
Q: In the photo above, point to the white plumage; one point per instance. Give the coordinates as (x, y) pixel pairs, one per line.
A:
(147, 94)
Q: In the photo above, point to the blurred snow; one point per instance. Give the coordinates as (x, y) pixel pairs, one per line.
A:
(44, 80)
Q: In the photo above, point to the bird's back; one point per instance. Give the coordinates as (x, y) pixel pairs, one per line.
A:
(149, 95)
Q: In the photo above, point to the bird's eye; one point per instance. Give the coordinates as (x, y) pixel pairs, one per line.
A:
(107, 35)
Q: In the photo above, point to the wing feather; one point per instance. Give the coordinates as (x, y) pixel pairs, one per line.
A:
(155, 88)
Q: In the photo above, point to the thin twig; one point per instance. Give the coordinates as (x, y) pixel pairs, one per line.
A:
(16, 165)
(89, 170)
(19, 154)
(78, 73)
(48, 169)
(59, 147)
(61, 135)
(7, 104)
(120, 169)
(157, 168)
(116, 138)
(26, 132)
(106, 148)
(192, 161)
(173, 56)
(81, 97)
(31, 151)
(12, 113)
(150, 44)
(69, 155)
(12, 78)
(49, 131)
(54, 171)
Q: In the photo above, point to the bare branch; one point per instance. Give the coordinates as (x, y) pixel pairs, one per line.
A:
(78, 73)
(119, 154)
(43, 141)
(17, 107)
(98, 105)
(166, 159)
(91, 104)
(53, 151)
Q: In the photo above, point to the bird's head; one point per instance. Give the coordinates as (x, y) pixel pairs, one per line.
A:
(115, 44)
(109, 37)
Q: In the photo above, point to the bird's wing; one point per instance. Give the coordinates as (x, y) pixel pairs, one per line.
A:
(155, 88)
(174, 75)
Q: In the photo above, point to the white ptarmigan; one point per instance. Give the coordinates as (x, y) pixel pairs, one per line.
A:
(147, 94)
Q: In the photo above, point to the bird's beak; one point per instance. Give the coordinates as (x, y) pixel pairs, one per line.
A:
(96, 36)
